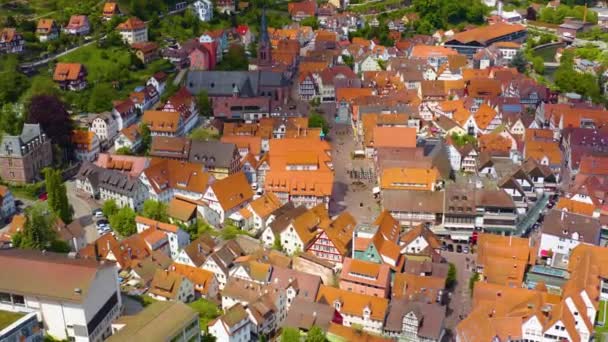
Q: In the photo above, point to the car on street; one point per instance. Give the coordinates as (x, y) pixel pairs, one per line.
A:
(465, 249)
(97, 213)
(450, 248)
(458, 249)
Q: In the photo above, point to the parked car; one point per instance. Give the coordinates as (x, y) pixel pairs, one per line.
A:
(98, 214)
(43, 196)
(465, 249)
(458, 248)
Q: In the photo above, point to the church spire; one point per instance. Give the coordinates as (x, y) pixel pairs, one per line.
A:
(264, 27)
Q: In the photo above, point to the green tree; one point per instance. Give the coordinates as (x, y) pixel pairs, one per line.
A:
(348, 60)
(318, 120)
(38, 231)
(290, 335)
(519, 62)
(146, 137)
(155, 210)
(474, 278)
(109, 208)
(310, 21)
(59, 246)
(315, 334)
(57, 195)
(101, 98)
(450, 280)
(235, 59)
(204, 104)
(539, 65)
(277, 245)
(12, 82)
(11, 122)
(124, 151)
(207, 311)
(123, 222)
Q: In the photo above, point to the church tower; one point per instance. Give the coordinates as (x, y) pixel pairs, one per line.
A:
(264, 45)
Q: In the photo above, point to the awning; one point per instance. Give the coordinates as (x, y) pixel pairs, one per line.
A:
(458, 237)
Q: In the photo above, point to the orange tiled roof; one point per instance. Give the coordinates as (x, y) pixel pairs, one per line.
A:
(353, 303)
(538, 150)
(504, 258)
(340, 231)
(181, 209)
(375, 274)
(265, 205)
(428, 51)
(110, 8)
(67, 71)
(394, 137)
(161, 121)
(83, 138)
(232, 191)
(169, 173)
(494, 142)
(484, 115)
(132, 24)
(252, 143)
(200, 278)
(45, 24)
(576, 207)
(409, 285)
(409, 178)
(485, 34)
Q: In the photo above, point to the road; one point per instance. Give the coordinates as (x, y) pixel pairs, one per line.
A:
(52, 58)
(82, 211)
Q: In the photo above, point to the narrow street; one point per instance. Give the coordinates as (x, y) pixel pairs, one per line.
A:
(460, 302)
(82, 211)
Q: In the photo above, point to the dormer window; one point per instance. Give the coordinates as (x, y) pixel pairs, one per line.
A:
(337, 304)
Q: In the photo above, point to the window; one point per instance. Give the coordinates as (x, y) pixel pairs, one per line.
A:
(5, 297)
(18, 300)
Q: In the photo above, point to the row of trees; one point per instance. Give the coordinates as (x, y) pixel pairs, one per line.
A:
(567, 79)
(557, 16)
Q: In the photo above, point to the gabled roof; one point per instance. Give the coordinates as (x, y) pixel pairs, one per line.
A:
(232, 191)
(353, 303)
(484, 34)
(132, 24)
(67, 71)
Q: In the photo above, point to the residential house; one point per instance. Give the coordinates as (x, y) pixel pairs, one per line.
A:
(128, 138)
(91, 292)
(299, 170)
(78, 25)
(104, 126)
(503, 260)
(416, 321)
(416, 179)
(222, 260)
(158, 81)
(301, 231)
(86, 145)
(562, 231)
(47, 30)
(226, 199)
(146, 52)
(70, 76)
(233, 326)
(182, 211)
(126, 113)
(185, 104)
(470, 41)
(334, 239)
(163, 320)
(412, 208)
(379, 241)
(262, 212)
(170, 285)
(11, 41)
(302, 9)
(133, 30)
(107, 184)
(170, 147)
(178, 238)
(110, 9)
(167, 178)
(24, 156)
(365, 277)
(163, 123)
(366, 311)
(197, 251)
(145, 98)
(217, 158)
(427, 288)
(203, 10)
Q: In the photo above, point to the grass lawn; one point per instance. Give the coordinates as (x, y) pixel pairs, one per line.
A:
(7, 318)
(207, 311)
(106, 66)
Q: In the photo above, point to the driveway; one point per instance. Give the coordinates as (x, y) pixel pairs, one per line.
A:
(82, 211)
